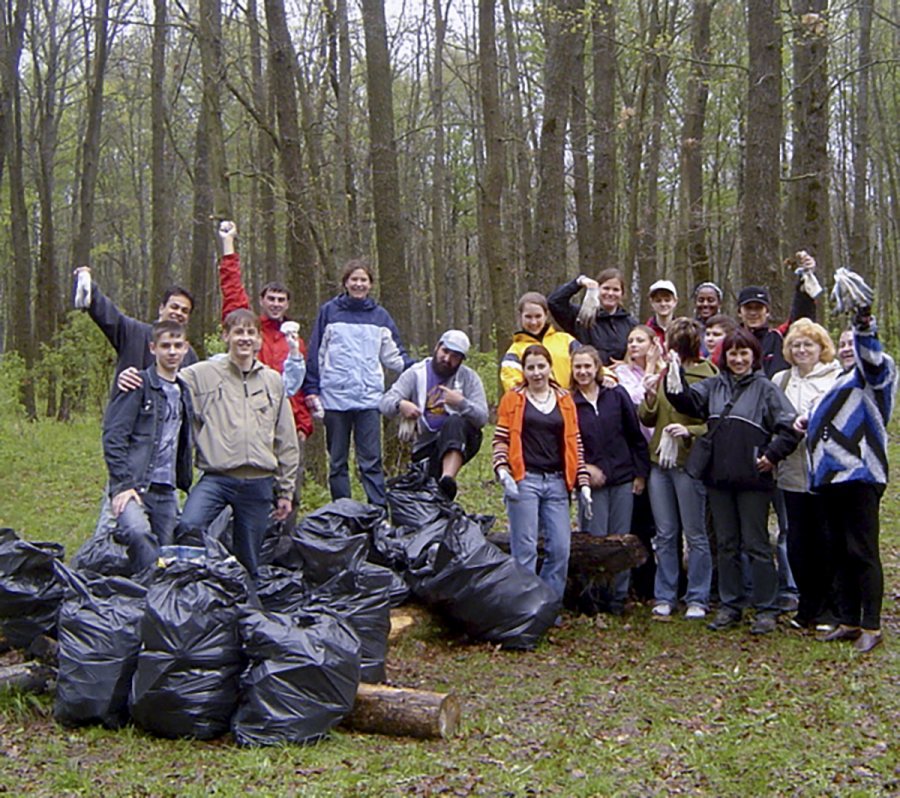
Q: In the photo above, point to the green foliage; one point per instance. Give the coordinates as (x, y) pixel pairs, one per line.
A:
(12, 377)
(213, 344)
(78, 365)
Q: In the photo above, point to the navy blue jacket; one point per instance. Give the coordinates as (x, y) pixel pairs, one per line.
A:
(129, 337)
(612, 436)
(132, 428)
(609, 332)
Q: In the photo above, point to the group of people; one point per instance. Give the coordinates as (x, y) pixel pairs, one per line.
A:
(602, 409)
(704, 417)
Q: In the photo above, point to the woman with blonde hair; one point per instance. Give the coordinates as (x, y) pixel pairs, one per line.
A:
(535, 328)
(809, 350)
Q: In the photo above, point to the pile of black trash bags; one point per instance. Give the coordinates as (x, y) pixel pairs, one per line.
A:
(192, 647)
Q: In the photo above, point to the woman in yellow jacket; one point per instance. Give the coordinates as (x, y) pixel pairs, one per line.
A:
(534, 317)
(538, 458)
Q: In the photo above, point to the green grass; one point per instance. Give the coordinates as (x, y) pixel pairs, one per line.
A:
(610, 707)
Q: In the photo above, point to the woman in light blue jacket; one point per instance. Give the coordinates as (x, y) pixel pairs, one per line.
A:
(353, 341)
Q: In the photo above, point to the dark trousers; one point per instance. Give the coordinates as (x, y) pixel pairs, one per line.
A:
(740, 520)
(365, 427)
(810, 551)
(457, 434)
(852, 509)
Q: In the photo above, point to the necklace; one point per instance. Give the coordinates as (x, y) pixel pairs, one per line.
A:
(546, 404)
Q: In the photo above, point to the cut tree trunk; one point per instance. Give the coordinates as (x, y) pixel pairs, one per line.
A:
(399, 711)
(30, 677)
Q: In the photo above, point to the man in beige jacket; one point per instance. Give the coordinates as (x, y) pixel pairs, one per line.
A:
(246, 441)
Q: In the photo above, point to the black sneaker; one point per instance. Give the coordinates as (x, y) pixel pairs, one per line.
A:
(724, 619)
(447, 485)
(763, 623)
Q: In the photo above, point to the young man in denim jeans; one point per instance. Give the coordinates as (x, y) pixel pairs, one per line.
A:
(147, 448)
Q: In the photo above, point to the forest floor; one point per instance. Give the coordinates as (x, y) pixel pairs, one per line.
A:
(604, 706)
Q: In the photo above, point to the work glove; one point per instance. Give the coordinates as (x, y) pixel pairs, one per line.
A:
(586, 502)
(667, 450)
(409, 430)
(806, 271)
(510, 488)
(589, 306)
(850, 291)
(673, 375)
(291, 332)
(83, 289)
(315, 407)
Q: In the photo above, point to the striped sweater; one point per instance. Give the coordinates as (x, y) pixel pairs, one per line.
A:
(847, 433)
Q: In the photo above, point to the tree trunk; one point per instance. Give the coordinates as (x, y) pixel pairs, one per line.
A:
(20, 338)
(203, 253)
(581, 184)
(389, 234)
(90, 148)
(693, 249)
(441, 265)
(209, 38)
(859, 236)
(491, 195)
(564, 36)
(760, 213)
(605, 243)
(162, 195)
(809, 222)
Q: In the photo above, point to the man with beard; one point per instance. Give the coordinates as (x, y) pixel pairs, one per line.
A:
(443, 407)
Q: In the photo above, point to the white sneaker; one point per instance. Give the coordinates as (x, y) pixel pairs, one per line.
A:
(694, 613)
(662, 610)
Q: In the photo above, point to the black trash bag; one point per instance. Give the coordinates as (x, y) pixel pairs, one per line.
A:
(280, 589)
(30, 592)
(103, 554)
(362, 598)
(415, 500)
(342, 518)
(493, 597)
(99, 641)
(322, 559)
(302, 677)
(277, 544)
(187, 674)
(220, 529)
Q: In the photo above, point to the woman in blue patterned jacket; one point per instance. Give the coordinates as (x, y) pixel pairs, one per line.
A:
(847, 440)
(353, 341)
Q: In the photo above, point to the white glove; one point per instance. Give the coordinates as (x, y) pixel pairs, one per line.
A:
(673, 375)
(315, 407)
(587, 502)
(83, 289)
(409, 430)
(589, 306)
(291, 331)
(667, 450)
(510, 488)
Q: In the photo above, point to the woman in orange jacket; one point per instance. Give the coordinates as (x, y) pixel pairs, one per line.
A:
(538, 458)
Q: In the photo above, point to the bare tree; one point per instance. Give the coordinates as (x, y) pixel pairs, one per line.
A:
(859, 236)
(603, 27)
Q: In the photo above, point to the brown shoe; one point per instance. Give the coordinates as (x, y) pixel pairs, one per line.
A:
(842, 632)
(867, 640)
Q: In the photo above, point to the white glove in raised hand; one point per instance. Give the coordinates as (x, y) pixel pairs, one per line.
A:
(673, 375)
(586, 501)
(83, 289)
(589, 306)
(510, 488)
(850, 291)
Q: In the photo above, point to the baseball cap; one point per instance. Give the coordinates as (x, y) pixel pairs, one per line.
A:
(754, 293)
(663, 285)
(456, 341)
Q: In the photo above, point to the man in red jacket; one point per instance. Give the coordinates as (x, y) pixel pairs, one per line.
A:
(275, 301)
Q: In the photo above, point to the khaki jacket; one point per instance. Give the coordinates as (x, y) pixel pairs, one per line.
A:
(243, 426)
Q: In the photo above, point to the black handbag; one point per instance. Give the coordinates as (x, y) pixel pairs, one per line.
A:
(699, 459)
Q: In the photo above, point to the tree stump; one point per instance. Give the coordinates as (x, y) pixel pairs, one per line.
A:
(403, 712)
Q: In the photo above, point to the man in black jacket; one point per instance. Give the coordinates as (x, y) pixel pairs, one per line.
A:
(147, 448)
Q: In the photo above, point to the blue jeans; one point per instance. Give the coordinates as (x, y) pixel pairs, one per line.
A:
(251, 502)
(675, 496)
(543, 504)
(143, 528)
(365, 425)
(611, 515)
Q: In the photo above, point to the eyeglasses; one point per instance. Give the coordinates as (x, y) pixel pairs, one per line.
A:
(803, 344)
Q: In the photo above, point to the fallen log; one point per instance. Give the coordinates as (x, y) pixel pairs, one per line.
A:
(592, 558)
(29, 677)
(403, 712)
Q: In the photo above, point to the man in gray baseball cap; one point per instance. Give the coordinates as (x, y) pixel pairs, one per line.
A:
(442, 407)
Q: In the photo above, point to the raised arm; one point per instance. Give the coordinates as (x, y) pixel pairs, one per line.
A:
(234, 295)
